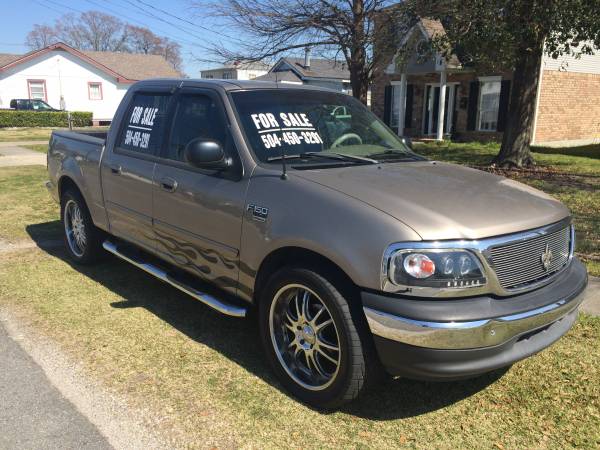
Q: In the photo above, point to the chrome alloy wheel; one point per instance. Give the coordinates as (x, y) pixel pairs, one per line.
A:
(75, 228)
(304, 337)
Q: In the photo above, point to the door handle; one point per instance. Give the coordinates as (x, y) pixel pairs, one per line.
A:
(116, 169)
(168, 184)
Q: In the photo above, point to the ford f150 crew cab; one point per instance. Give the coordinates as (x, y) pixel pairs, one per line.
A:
(356, 253)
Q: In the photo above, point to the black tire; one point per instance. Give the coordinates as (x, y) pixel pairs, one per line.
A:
(352, 368)
(79, 253)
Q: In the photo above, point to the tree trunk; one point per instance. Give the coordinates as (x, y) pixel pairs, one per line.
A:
(359, 79)
(515, 151)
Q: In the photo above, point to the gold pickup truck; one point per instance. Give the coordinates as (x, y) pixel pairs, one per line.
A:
(356, 253)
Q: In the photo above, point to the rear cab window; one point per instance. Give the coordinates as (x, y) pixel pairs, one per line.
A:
(144, 124)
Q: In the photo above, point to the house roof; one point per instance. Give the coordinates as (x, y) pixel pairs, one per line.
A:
(243, 65)
(5, 58)
(319, 68)
(430, 29)
(125, 67)
(286, 75)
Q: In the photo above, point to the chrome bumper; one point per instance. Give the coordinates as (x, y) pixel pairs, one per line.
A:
(467, 335)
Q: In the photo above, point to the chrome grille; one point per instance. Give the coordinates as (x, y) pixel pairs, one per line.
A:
(520, 263)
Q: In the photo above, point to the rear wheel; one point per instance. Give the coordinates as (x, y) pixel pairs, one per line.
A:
(311, 339)
(82, 239)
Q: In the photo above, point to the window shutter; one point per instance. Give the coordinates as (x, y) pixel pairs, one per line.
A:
(503, 106)
(472, 106)
(409, 106)
(387, 105)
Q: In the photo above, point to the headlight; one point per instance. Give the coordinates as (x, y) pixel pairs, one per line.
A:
(435, 268)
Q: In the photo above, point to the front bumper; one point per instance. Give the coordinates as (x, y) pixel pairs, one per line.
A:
(452, 339)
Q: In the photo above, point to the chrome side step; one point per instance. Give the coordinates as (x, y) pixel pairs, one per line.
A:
(225, 308)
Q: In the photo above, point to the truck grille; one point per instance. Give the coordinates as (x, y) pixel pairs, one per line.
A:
(521, 263)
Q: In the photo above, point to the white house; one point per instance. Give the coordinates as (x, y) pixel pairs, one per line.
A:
(239, 70)
(75, 80)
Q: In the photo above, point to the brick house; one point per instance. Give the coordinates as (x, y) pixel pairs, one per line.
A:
(437, 98)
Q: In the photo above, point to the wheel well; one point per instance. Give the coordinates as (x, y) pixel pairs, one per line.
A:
(65, 183)
(298, 256)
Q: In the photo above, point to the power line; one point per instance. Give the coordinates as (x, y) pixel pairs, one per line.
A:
(202, 27)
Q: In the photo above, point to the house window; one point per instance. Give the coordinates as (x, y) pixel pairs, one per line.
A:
(227, 76)
(489, 102)
(37, 89)
(95, 91)
(251, 76)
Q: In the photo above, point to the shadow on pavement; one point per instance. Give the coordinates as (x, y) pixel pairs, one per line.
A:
(238, 340)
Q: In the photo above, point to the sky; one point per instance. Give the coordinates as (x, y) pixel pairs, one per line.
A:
(19, 16)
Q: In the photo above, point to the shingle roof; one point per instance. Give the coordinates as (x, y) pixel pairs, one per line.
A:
(6, 58)
(320, 68)
(135, 66)
(127, 66)
(286, 75)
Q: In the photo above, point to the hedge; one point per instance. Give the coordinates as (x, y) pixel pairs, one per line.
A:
(9, 118)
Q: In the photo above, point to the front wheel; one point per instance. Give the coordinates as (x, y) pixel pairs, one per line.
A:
(311, 339)
(82, 239)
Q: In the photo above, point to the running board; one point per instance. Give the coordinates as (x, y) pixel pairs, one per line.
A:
(223, 307)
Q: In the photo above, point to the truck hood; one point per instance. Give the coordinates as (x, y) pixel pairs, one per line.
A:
(444, 201)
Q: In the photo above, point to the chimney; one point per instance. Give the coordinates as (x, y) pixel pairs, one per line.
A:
(307, 58)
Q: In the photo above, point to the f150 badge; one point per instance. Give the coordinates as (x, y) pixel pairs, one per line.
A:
(259, 213)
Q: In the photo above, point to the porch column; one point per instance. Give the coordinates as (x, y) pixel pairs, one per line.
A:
(402, 105)
(442, 107)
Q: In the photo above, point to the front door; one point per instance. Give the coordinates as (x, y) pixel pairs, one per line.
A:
(198, 213)
(431, 109)
(128, 171)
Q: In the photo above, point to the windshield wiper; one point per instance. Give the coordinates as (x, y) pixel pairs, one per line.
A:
(397, 154)
(325, 155)
(344, 157)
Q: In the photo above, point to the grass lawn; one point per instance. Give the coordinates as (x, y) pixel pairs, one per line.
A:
(199, 377)
(35, 134)
(572, 175)
(41, 148)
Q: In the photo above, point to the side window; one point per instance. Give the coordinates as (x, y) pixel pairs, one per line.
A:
(144, 124)
(196, 116)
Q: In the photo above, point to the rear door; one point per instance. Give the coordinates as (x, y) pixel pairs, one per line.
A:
(198, 213)
(128, 171)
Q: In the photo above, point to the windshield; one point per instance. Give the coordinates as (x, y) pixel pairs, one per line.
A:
(312, 126)
(39, 104)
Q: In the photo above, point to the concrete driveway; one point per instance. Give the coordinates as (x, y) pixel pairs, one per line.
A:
(12, 154)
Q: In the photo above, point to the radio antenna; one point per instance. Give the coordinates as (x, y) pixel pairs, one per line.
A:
(283, 165)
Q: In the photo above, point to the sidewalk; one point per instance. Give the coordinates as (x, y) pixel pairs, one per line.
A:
(591, 298)
(34, 414)
(11, 154)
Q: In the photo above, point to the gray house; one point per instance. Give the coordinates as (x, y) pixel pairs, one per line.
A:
(314, 71)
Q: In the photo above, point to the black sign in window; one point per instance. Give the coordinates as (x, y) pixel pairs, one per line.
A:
(145, 122)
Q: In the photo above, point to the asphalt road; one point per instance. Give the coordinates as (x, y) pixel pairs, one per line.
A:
(33, 413)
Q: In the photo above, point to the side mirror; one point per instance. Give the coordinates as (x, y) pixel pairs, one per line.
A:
(206, 154)
(408, 142)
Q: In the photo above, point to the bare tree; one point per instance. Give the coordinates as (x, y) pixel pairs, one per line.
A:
(41, 36)
(142, 40)
(346, 27)
(93, 30)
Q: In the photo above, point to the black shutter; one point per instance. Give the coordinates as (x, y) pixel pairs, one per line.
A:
(472, 105)
(409, 106)
(503, 106)
(387, 105)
